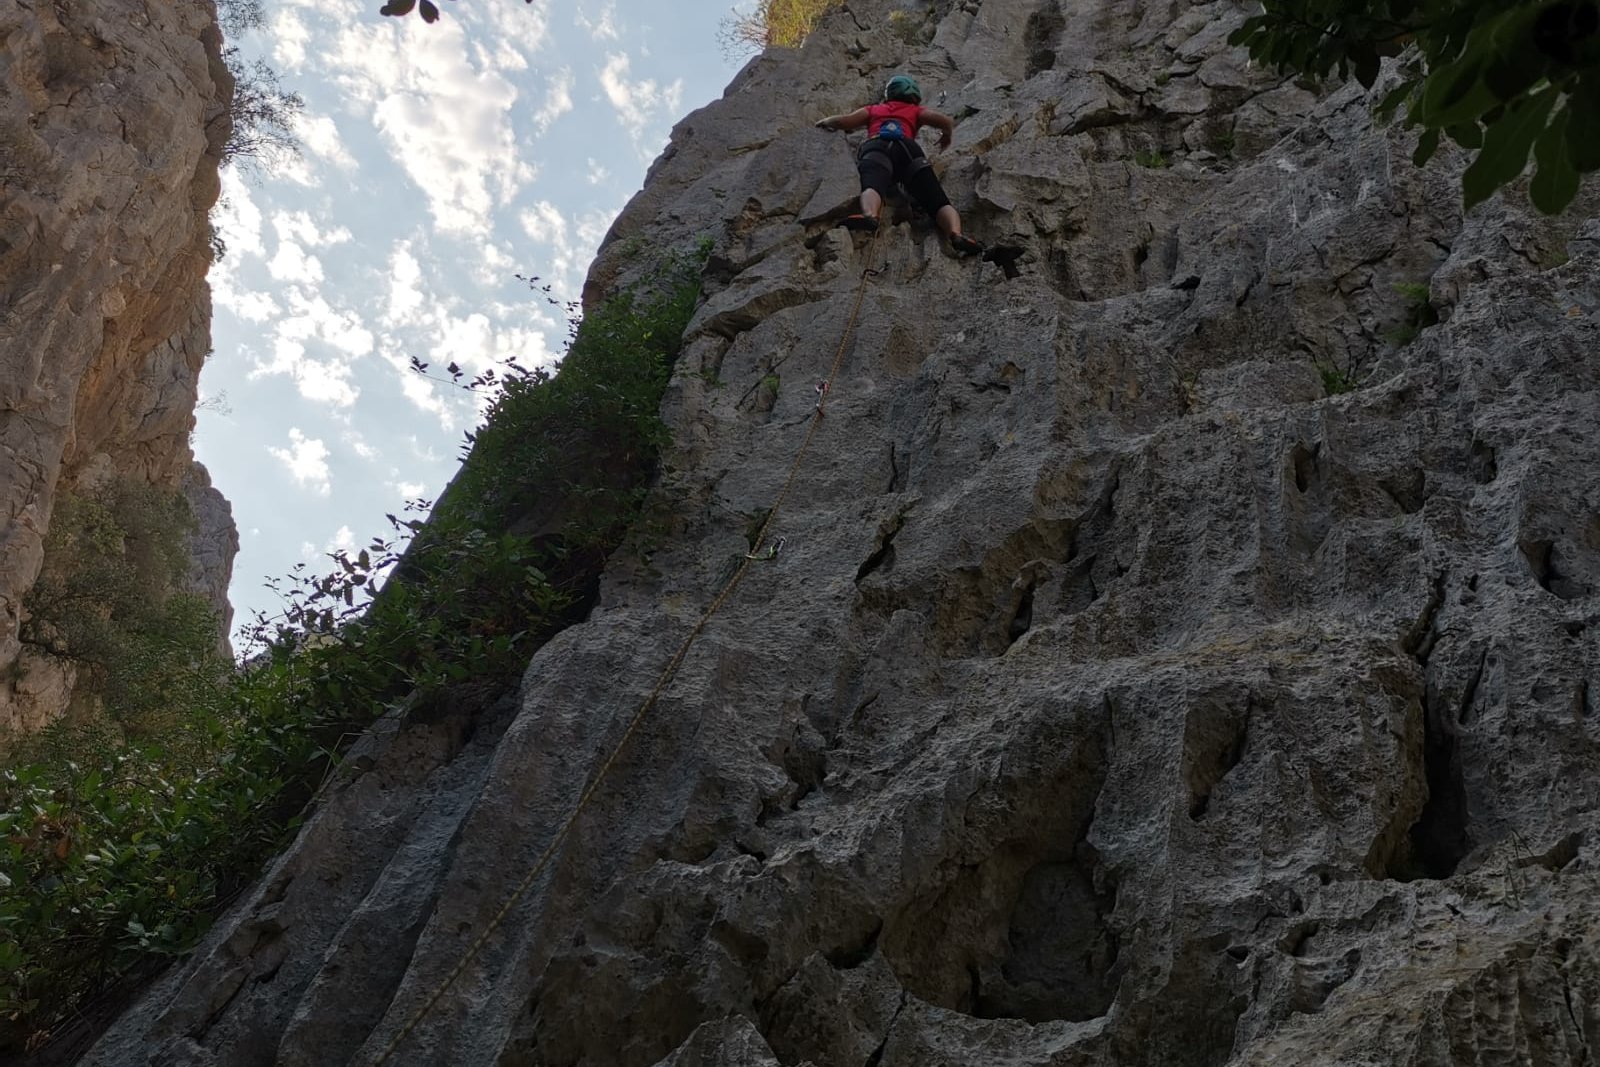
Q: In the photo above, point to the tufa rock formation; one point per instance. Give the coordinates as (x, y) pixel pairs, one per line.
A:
(112, 123)
(1183, 653)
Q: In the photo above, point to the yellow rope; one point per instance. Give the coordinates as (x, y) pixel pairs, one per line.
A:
(667, 675)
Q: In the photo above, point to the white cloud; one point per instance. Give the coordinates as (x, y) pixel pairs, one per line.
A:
(249, 306)
(444, 108)
(405, 286)
(597, 173)
(476, 344)
(313, 316)
(326, 378)
(420, 392)
(289, 36)
(229, 293)
(495, 266)
(292, 264)
(299, 226)
(571, 243)
(602, 27)
(320, 135)
(499, 54)
(557, 100)
(410, 490)
(344, 539)
(325, 381)
(306, 460)
(358, 445)
(544, 223)
(527, 23)
(622, 94)
(638, 103)
(236, 216)
(295, 167)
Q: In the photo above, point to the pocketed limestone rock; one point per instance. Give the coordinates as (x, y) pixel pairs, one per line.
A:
(1164, 666)
(112, 122)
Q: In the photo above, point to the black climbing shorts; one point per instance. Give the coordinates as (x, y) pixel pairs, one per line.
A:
(885, 164)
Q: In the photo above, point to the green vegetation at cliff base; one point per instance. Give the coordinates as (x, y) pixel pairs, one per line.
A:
(124, 830)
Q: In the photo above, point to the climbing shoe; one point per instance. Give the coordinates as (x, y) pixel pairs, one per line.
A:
(864, 223)
(963, 245)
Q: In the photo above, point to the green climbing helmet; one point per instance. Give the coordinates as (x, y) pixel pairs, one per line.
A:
(903, 87)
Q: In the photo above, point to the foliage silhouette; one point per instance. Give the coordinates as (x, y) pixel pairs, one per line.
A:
(1501, 78)
(118, 850)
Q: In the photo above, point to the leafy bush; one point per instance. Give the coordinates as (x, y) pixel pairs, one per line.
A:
(781, 23)
(124, 855)
(1337, 379)
(1499, 77)
(109, 860)
(110, 599)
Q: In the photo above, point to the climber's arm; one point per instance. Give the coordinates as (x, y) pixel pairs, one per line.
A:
(855, 120)
(941, 122)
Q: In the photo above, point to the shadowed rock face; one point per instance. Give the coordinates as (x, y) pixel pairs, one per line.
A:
(112, 121)
(1120, 697)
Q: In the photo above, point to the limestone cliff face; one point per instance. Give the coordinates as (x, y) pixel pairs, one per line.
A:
(112, 121)
(1122, 696)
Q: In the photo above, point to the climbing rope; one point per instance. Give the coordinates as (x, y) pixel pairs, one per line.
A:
(753, 556)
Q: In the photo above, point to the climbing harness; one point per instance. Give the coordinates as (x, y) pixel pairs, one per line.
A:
(753, 556)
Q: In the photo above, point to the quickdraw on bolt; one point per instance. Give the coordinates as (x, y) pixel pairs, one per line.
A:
(822, 394)
(770, 554)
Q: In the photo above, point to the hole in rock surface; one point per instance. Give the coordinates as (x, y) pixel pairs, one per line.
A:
(1304, 461)
(1541, 559)
(1216, 734)
(1061, 952)
(1005, 257)
(882, 556)
(1040, 33)
(1022, 930)
(1439, 838)
(1022, 618)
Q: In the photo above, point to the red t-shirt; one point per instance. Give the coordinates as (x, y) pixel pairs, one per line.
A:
(893, 120)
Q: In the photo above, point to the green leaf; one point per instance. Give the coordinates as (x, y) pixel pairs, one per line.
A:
(1505, 147)
(1466, 134)
(1453, 93)
(398, 7)
(1583, 147)
(1427, 145)
(430, 13)
(1508, 76)
(1516, 63)
(1395, 97)
(1246, 31)
(1556, 182)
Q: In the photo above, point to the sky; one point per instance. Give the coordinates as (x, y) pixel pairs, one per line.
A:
(437, 163)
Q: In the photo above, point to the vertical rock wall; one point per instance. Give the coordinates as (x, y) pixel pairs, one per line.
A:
(1182, 654)
(112, 120)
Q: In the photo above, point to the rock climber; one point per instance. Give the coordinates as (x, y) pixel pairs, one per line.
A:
(891, 156)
